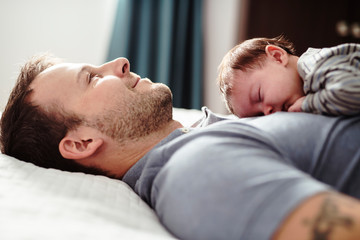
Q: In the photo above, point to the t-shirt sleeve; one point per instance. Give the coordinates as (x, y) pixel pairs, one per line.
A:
(229, 183)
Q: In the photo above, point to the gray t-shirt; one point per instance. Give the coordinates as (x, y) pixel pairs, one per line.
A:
(239, 179)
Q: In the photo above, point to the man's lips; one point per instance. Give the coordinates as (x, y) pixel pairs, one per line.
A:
(136, 82)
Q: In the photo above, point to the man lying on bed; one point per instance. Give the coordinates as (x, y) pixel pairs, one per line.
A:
(283, 176)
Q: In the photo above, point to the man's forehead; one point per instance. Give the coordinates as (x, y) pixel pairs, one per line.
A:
(50, 83)
(58, 68)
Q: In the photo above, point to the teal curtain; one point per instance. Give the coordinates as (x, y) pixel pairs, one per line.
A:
(163, 41)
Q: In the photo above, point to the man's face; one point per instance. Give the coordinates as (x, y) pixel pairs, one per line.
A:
(266, 90)
(110, 97)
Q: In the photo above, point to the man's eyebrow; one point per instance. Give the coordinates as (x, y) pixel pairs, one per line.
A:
(84, 69)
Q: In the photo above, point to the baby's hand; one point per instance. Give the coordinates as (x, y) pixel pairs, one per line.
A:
(296, 107)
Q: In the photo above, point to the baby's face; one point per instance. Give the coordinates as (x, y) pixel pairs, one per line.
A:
(272, 88)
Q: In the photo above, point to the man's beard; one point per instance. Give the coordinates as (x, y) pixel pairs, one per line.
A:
(143, 114)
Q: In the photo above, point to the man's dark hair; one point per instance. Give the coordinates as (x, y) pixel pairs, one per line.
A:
(31, 133)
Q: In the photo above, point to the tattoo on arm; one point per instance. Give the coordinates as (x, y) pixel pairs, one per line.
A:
(329, 218)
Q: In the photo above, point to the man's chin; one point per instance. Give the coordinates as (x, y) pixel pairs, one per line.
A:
(163, 89)
(160, 85)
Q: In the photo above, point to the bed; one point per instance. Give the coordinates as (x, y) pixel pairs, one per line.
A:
(38, 203)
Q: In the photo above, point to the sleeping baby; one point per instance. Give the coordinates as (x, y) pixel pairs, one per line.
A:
(261, 76)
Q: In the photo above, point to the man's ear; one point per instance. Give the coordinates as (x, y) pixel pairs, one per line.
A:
(80, 143)
(277, 54)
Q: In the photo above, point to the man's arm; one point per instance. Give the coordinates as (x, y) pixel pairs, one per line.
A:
(323, 217)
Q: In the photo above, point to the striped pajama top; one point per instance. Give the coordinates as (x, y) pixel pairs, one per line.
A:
(331, 79)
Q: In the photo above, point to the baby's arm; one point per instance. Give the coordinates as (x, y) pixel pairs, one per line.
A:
(340, 96)
(332, 86)
(296, 107)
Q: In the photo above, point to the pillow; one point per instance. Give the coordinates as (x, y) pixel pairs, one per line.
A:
(187, 117)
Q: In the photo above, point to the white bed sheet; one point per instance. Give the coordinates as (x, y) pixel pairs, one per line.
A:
(38, 203)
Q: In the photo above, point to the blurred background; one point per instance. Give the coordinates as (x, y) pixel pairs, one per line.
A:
(177, 42)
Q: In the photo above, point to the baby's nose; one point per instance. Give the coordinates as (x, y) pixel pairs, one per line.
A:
(269, 110)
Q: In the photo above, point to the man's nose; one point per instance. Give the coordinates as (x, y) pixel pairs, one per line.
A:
(119, 67)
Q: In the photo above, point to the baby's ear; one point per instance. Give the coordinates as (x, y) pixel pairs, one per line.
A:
(277, 54)
(80, 143)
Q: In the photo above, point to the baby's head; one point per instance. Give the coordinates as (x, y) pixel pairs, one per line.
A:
(259, 76)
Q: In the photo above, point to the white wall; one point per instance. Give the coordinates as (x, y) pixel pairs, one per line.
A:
(76, 30)
(223, 27)
(80, 30)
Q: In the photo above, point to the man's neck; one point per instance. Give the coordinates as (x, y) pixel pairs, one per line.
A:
(131, 152)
